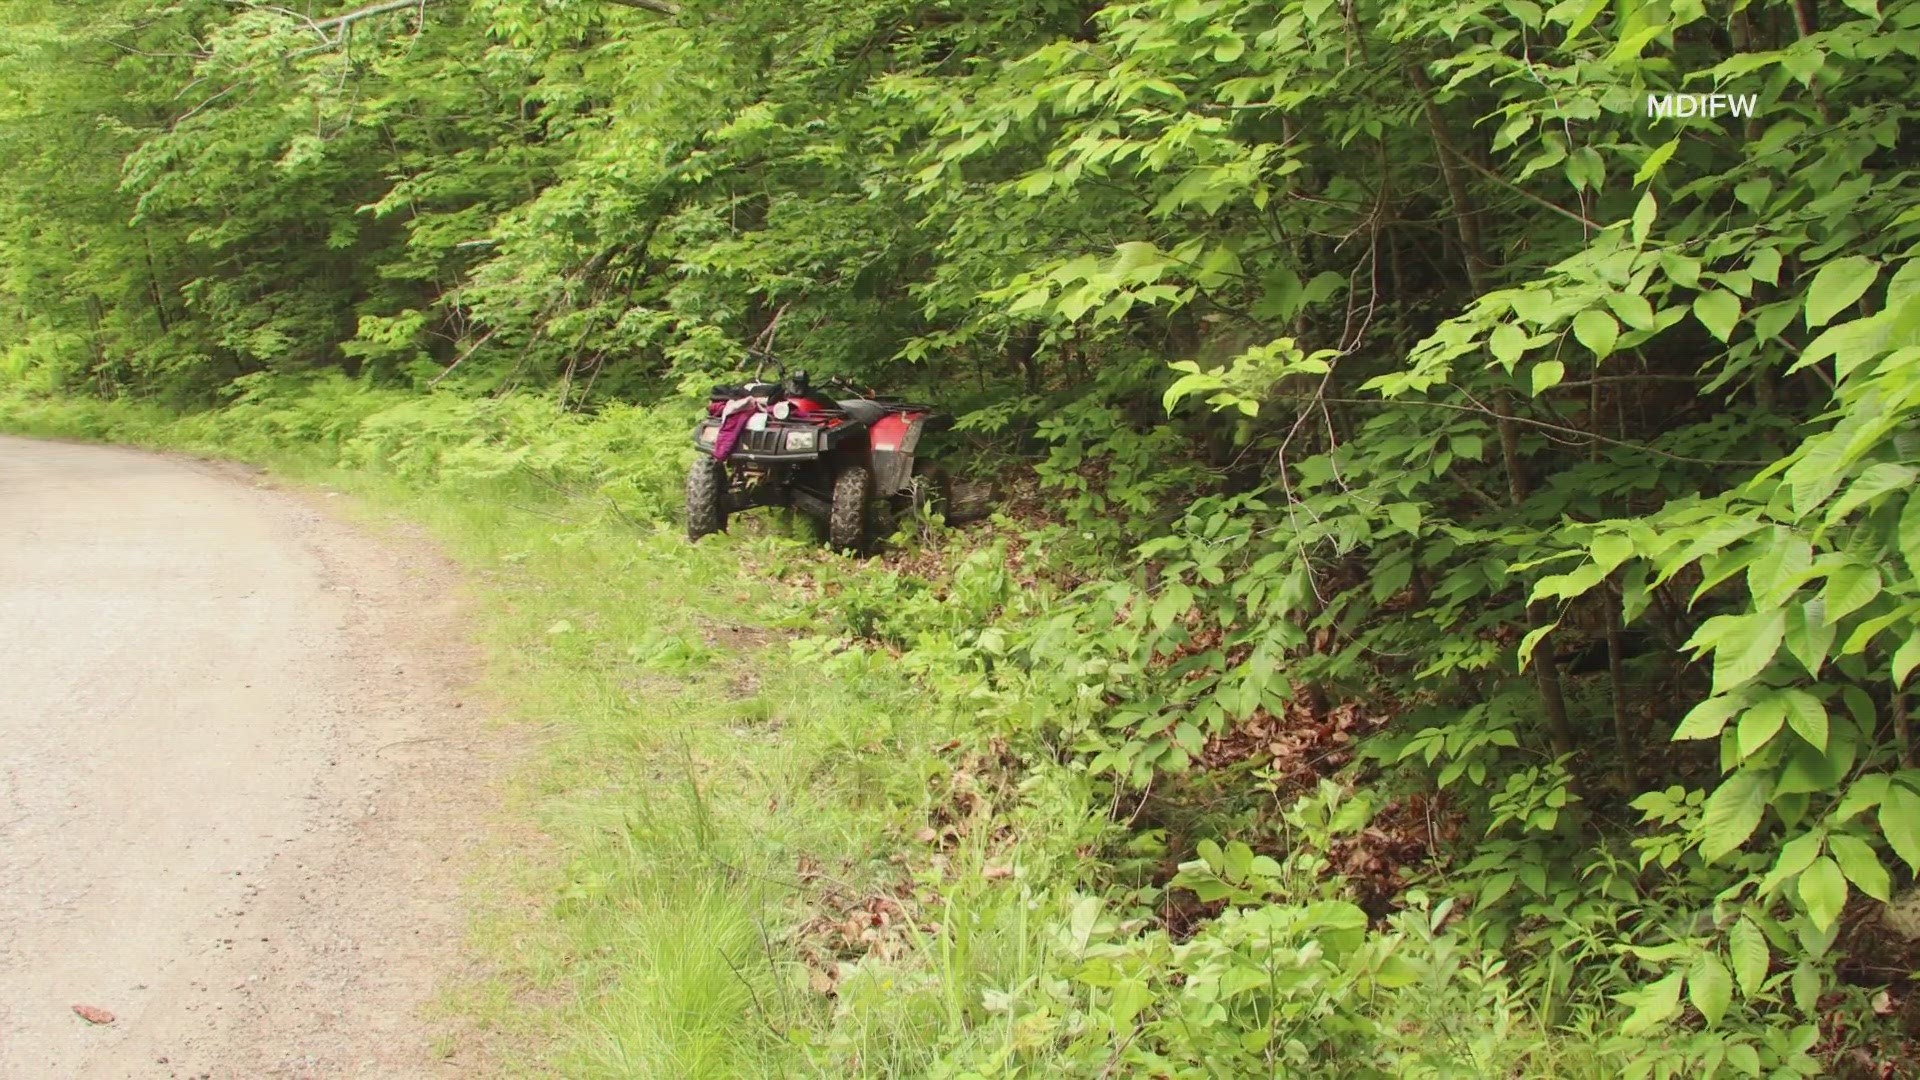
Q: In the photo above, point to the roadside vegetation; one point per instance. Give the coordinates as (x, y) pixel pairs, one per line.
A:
(1454, 584)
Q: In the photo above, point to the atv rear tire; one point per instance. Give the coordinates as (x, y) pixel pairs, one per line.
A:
(847, 524)
(929, 491)
(706, 497)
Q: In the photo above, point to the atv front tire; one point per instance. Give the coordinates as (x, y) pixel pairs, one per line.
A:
(847, 523)
(706, 497)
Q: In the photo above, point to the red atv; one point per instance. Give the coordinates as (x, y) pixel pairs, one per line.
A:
(842, 461)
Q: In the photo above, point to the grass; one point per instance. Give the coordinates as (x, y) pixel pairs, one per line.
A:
(706, 791)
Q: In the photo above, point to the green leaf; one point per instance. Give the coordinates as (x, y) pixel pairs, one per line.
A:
(1710, 988)
(1032, 300)
(1582, 578)
(1752, 194)
(1818, 472)
(1532, 641)
(1586, 170)
(1718, 311)
(1850, 344)
(1861, 864)
(1823, 892)
(1654, 1005)
(1236, 861)
(1761, 723)
(1683, 269)
(1807, 717)
(1900, 823)
(1582, 18)
(1804, 64)
(1809, 634)
(1324, 284)
(1547, 375)
(1795, 856)
(1610, 550)
(1780, 569)
(1597, 331)
(1175, 600)
(1650, 168)
(1849, 589)
(1747, 648)
(1732, 812)
(1496, 887)
(1633, 309)
(1905, 658)
(1705, 720)
(1867, 630)
(1837, 286)
(1643, 216)
(1863, 794)
(1129, 998)
(1508, 343)
(1910, 531)
(1806, 984)
(1747, 948)
(1808, 770)
(1406, 516)
(1871, 484)
(1628, 47)
(1904, 286)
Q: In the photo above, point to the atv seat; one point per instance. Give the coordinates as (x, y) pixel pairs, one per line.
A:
(867, 412)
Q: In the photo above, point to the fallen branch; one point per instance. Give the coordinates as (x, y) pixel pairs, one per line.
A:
(484, 338)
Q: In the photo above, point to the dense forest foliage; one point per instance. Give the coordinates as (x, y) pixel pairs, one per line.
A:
(1461, 560)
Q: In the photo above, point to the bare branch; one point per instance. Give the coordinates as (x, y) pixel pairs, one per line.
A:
(195, 111)
(287, 13)
(367, 12)
(383, 7)
(1575, 433)
(334, 31)
(488, 336)
(660, 6)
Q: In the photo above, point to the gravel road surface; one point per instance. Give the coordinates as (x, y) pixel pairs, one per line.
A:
(241, 778)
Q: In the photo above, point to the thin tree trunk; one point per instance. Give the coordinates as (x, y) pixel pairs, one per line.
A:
(1617, 675)
(1902, 729)
(1448, 158)
(153, 285)
(1546, 669)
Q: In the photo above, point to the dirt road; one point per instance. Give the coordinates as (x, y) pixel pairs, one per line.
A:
(240, 784)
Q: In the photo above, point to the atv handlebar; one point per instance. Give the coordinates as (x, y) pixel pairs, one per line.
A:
(797, 378)
(766, 358)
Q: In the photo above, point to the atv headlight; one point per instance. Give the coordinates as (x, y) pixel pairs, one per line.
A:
(709, 434)
(804, 439)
